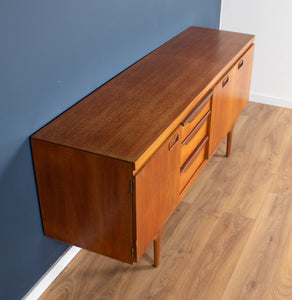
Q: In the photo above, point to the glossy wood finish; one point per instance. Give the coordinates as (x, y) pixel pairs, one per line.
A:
(230, 96)
(230, 237)
(194, 138)
(243, 80)
(85, 199)
(189, 127)
(150, 98)
(198, 109)
(158, 122)
(189, 168)
(222, 110)
(157, 190)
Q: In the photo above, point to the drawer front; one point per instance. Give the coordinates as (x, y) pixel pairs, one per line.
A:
(196, 115)
(189, 168)
(192, 141)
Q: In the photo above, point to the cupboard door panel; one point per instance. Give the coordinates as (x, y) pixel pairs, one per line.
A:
(243, 79)
(85, 199)
(230, 96)
(222, 115)
(157, 190)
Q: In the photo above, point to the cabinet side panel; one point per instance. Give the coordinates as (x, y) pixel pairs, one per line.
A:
(157, 190)
(85, 199)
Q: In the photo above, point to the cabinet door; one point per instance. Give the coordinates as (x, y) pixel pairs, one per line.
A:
(222, 115)
(242, 81)
(156, 191)
(229, 99)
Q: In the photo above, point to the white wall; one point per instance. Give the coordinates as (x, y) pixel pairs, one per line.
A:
(271, 22)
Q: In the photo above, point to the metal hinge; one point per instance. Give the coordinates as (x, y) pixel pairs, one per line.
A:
(131, 186)
(132, 252)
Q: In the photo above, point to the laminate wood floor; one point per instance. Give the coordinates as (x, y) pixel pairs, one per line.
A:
(230, 238)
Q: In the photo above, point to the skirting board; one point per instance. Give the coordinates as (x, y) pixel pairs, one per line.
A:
(37, 290)
(270, 100)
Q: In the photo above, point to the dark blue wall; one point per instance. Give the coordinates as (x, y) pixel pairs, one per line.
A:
(53, 53)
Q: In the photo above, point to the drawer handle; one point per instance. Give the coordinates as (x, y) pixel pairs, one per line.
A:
(173, 141)
(240, 64)
(197, 109)
(225, 81)
(194, 155)
(196, 129)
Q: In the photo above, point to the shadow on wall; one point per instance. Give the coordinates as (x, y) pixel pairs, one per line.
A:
(22, 217)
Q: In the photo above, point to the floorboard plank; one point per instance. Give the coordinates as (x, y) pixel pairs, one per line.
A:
(254, 271)
(230, 237)
(217, 260)
(281, 287)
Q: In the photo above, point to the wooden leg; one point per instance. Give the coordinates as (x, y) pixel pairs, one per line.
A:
(229, 141)
(157, 247)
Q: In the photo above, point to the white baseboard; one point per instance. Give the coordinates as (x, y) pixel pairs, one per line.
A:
(270, 100)
(44, 282)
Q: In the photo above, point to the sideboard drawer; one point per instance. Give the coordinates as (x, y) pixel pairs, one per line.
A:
(196, 115)
(194, 161)
(194, 138)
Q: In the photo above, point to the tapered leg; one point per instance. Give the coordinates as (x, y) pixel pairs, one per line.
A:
(229, 142)
(157, 247)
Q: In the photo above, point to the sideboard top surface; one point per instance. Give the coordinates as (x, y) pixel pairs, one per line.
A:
(126, 115)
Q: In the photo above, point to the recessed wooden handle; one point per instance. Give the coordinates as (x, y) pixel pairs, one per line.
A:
(194, 155)
(225, 80)
(198, 108)
(240, 64)
(173, 141)
(196, 129)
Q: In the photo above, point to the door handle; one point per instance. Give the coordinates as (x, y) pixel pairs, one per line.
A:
(173, 141)
(225, 81)
(240, 64)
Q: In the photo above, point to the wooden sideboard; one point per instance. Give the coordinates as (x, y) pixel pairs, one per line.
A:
(112, 169)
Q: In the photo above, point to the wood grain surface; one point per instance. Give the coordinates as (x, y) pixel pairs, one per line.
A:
(230, 96)
(127, 116)
(76, 205)
(157, 190)
(229, 238)
(281, 286)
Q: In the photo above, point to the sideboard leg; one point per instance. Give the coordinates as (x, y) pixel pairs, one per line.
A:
(157, 247)
(229, 141)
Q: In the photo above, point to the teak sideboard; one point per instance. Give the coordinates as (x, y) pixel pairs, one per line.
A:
(112, 169)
